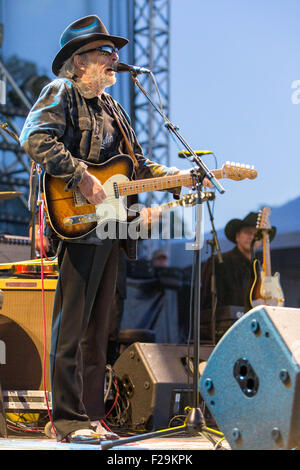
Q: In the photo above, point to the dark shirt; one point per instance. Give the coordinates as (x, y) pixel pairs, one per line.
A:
(232, 280)
(111, 137)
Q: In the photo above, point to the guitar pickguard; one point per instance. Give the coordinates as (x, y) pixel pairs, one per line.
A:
(113, 210)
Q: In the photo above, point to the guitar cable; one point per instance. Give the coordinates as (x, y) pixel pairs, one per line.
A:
(42, 253)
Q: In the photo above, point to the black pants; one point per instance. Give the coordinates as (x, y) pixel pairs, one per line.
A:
(80, 329)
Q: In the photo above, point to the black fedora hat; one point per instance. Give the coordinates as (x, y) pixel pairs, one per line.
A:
(235, 225)
(81, 32)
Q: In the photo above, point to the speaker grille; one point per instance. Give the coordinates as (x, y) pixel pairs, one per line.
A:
(22, 332)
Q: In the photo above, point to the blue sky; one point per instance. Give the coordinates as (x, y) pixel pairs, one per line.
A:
(233, 63)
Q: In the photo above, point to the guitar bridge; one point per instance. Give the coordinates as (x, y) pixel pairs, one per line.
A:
(80, 219)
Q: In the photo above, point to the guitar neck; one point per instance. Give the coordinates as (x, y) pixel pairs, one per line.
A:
(266, 254)
(168, 206)
(159, 183)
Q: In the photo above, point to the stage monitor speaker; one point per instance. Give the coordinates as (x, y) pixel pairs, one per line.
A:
(251, 382)
(156, 379)
(22, 333)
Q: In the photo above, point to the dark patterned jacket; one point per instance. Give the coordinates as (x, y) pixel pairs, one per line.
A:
(66, 124)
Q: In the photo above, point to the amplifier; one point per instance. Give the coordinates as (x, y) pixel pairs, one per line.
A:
(156, 380)
(225, 317)
(22, 332)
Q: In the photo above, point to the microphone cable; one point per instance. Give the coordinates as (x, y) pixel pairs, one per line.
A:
(42, 252)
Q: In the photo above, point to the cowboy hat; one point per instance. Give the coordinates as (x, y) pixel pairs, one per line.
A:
(235, 225)
(81, 32)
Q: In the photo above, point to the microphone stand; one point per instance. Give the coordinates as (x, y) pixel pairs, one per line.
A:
(214, 243)
(195, 422)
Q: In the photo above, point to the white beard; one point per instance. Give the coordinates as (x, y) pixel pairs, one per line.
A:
(99, 80)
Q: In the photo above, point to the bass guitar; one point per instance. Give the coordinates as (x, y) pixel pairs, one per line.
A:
(151, 216)
(188, 200)
(266, 289)
(71, 216)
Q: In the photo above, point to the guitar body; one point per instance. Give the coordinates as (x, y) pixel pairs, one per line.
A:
(265, 290)
(72, 217)
(62, 205)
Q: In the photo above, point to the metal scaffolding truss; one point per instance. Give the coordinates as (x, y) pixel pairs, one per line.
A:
(14, 163)
(150, 28)
(147, 26)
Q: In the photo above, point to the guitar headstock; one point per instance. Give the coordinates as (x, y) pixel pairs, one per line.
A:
(263, 219)
(238, 171)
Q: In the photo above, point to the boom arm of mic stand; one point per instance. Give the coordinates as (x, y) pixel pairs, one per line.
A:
(206, 172)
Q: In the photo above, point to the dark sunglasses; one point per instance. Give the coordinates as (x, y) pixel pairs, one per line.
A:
(104, 50)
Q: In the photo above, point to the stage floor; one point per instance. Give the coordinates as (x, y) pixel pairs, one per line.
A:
(180, 444)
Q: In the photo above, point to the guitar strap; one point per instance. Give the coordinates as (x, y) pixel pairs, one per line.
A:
(128, 145)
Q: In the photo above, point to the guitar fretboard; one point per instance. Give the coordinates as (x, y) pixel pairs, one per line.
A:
(156, 184)
(266, 254)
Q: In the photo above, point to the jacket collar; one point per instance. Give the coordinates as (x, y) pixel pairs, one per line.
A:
(84, 90)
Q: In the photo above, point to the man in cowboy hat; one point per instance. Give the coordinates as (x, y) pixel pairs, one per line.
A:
(73, 123)
(233, 274)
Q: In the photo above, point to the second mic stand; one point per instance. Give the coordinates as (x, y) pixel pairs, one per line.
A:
(214, 244)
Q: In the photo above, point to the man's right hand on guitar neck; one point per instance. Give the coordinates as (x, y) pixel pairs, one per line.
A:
(91, 188)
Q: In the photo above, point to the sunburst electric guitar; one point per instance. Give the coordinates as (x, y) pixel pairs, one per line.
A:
(266, 289)
(71, 216)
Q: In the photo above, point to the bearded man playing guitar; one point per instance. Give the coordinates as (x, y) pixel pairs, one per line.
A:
(74, 125)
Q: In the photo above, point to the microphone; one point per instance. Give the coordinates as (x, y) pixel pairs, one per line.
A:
(120, 67)
(185, 153)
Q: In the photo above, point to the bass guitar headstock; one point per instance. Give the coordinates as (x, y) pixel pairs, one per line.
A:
(188, 199)
(192, 199)
(263, 219)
